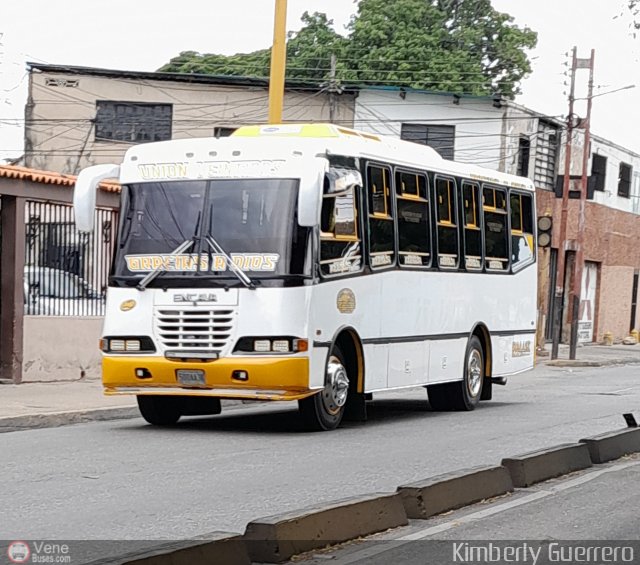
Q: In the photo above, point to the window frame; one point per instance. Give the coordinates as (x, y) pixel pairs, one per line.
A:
(137, 124)
(410, 197)
(493, 209)
(479, 227)
(358, 238)
(388, 216)
(453, 213)
(517, 267)
(625, 182)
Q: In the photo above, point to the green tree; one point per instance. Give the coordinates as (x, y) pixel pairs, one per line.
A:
(462, 46)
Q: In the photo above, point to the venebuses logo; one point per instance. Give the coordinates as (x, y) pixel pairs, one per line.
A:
(18, 552)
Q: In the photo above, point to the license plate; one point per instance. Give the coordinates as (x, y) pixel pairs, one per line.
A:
(190, 377)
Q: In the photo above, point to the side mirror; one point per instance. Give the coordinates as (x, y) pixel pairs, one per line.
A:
(84, 194)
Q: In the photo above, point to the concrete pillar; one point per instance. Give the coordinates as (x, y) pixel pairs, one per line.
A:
(12, 223)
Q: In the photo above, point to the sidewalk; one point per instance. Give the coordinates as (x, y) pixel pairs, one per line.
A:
(592, 356)
(51, 404)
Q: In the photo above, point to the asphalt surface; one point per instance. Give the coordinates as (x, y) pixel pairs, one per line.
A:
(547, 523)
(127, 480)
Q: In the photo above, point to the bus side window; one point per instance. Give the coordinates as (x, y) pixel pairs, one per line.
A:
(522, 243)
(380, 217)
(340, 245)
(496, 245)
(472, 226)
(414, 225)
(447, 229)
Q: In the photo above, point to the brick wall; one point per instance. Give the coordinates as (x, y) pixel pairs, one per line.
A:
(611, 239)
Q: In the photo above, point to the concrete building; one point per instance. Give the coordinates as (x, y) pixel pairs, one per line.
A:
(79, 116)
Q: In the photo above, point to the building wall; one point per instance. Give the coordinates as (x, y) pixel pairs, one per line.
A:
(478, 124)
(59, 348)
(610, 239)
(60, 135)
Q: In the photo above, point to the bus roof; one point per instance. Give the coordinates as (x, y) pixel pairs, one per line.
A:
(315, 139)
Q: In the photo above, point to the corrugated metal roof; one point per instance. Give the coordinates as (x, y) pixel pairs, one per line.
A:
(48, 177)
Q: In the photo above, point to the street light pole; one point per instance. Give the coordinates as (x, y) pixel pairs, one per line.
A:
(278, 63)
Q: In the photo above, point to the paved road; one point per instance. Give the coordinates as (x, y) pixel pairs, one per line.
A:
(547, 523)
(127, 480)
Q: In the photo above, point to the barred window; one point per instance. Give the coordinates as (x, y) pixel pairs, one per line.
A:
(132, 121)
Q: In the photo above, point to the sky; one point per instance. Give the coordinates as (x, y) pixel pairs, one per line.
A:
(142, 35)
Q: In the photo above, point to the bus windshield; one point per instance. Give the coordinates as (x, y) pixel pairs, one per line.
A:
(253, 221)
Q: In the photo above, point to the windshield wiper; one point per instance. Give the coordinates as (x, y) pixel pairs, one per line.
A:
(184, 246)
(242, 276)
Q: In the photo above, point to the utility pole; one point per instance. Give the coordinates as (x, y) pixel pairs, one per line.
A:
(559, 290)
(578, 264)
(573, 309)
(278, 63)
(332, 89)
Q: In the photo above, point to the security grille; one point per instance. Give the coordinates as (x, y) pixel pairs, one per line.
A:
(193, 329)
(66, 271)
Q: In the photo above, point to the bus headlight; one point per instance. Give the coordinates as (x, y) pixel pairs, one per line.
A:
(127, 344)
(280, 344)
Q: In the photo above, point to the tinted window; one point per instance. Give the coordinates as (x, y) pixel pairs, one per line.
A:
(380, 217)
(414, 227)
(447, 229)
(495, 228)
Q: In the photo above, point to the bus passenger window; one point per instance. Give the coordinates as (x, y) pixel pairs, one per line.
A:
(414, 227)
(380, 220)
(495, 228)
(472, 229)
(522, 244)
(447, 228)
(340, 247)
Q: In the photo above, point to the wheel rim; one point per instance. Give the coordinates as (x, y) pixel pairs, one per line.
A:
(474, 372)
(334, 395)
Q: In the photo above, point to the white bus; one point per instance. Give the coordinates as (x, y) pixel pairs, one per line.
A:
(312, 263)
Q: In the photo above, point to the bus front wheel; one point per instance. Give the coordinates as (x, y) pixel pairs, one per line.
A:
(159, 410)
(465, 394)
(324, 411)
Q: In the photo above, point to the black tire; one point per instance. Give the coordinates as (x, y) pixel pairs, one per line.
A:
(159, 410)
(465, 394)
(324, 411)
(441, 396)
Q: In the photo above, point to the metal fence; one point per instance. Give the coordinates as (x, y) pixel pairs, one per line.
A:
(66, 271)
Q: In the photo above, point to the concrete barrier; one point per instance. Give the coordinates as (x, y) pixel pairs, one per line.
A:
(454, 490)
(277, 538)
(613, 445)
(221, 548)
(537, 466)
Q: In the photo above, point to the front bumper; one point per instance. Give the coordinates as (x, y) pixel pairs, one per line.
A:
(282, 378)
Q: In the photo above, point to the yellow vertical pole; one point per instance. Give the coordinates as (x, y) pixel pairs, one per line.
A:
(278, 63)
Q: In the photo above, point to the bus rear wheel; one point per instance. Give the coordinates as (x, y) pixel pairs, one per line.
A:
(159, 410)
(324, 411)
(465, 394)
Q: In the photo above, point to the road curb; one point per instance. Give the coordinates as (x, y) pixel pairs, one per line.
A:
(537, 466)
(613, 445)
(278, 538)
(579, 363)
(57, 419)
(449, 491)
(221, 548)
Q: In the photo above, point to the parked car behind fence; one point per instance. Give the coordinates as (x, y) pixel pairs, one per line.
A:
(53, 292)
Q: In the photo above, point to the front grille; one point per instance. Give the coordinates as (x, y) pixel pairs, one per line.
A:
(193, 329)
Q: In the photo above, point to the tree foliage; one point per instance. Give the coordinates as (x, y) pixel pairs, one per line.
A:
(461, 46)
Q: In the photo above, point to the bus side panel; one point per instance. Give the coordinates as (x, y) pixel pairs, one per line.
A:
(345, 303)
(447, 359)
